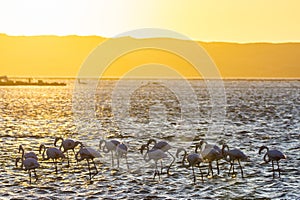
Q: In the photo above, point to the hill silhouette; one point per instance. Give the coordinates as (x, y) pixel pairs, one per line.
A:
(63, 55)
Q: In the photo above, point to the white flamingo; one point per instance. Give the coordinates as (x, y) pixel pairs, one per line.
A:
(153, 154)
(109, 146)
(232, 155)
(272, 155)
(121, 151)
(67, 144)
(52, 153)
(25, 156)
(165, 147)
(193, 159)
(87, 153)
(210, 153)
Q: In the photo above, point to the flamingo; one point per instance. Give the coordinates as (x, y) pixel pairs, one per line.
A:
(234, 154)
(67, 144)
(165, 147)
(193, 159)
(88, 153)
(273, 155)
(121, 151)
(30, 164)
(210, 153)
(52, 153)
(25, 156)
(109, 146)
(153, 154)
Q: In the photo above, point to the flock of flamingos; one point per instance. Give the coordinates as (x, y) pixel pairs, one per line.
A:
(204, 152)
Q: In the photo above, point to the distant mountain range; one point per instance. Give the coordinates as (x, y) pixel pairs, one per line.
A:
(63, 56)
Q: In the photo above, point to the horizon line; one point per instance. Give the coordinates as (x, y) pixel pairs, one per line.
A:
(211, 41)
(155, 78)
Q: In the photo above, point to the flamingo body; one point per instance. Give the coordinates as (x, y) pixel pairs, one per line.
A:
(272, 155)
(88, 153)
(109, 146)
(67, 144)
(165, 147)
(31, 164)
(193, 159)
(232, 155)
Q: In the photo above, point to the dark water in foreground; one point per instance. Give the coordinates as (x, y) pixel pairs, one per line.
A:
(257, 113)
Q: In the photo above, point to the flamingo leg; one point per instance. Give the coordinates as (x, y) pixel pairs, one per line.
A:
(278, 167)
(201, 173)
(36, 177)
(230, 168)
(29, 172)
(156, 171)
(211, 169)
(273, 169)
(112, 159)
(68, 159)
(218, 167)
(168, 171)
(194, 174)
(118, 161)
(55, 165)
(95, 168)
(161, 167)
(75, 156)
(127, 162)
(241, 168)
(87, 160)
(233, 167)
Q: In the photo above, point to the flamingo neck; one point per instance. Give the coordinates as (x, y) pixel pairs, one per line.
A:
(265, 158)
(183, 160)
(57, 139)
(147, 153)
(262, 148)
(43, 155)
(76, 156)
(223, 150)
(22, 150)
(151, 141)
(145, 157)
(100, 143)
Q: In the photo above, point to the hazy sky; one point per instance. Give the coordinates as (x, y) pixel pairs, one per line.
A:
(205, 20)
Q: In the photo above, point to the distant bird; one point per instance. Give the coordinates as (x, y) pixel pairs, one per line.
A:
(155, 155)
(121, 151)
(272, 155)
(87, 153)
(165, 147)
(193, 159)
(25, 156)
(109, 146)
(52, 153)
(232, 155)
(67, 144)
(30, 164)
(209, 153)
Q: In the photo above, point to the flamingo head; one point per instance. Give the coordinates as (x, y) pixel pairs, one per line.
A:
(150, 141)
(262, 148)
(57, 139)
(143, 147)
(21, 148)
(41, 147)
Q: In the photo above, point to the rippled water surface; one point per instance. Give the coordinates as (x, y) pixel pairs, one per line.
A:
(255, 113)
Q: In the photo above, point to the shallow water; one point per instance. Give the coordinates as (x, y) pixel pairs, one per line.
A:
(256, 113)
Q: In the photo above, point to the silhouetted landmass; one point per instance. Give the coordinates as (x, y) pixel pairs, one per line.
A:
(63, 56)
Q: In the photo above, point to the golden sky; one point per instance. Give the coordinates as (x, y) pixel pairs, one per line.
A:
(240, 21)
(202, 20)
